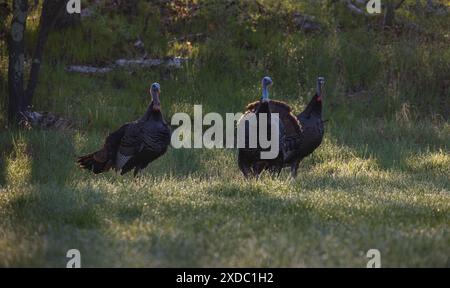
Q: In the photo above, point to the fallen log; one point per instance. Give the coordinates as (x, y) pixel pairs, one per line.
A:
(47, 120)
(174, 62)
(88, 69)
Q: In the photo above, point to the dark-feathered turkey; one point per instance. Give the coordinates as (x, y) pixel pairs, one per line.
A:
(249, 158)
(304, 133)
(135, 144)
(312, 128)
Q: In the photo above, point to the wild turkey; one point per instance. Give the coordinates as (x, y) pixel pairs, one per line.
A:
(304, 133)
(313, 129)
(135, 144)
(249, 158)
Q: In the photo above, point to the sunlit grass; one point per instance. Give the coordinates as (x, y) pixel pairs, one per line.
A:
(193, 207)
(438, 161)
(18, 163)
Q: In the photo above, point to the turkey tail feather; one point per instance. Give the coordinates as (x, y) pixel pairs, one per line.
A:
(90, 163)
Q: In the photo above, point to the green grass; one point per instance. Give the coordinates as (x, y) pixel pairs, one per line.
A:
(193, 208)
(381, 179)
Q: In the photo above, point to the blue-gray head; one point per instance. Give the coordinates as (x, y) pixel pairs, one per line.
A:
(155, 91)
(266, 82)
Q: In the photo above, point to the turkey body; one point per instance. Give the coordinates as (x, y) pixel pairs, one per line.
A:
(249, 159)
(304, 134)
(313, 131)
(142, 143)
(312, 134)
(133, 146)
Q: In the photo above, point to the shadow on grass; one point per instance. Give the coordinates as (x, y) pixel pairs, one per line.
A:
(42, 222)
(43, 155)
(55, 204)
(157, 224)
(53, 155)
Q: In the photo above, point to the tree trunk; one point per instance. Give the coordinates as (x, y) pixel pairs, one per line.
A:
(16, 51)
(389, 15)
(50, 11)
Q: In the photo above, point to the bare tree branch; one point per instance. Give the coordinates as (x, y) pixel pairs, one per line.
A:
(355, 9)
(399, 4)
(50, 11)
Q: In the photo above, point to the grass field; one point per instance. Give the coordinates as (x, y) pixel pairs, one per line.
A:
(380, 180)
(192, 208)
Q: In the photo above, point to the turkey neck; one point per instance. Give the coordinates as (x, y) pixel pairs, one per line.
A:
(314, 107)
(151, 114)
(263, 108)
(264, 101)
